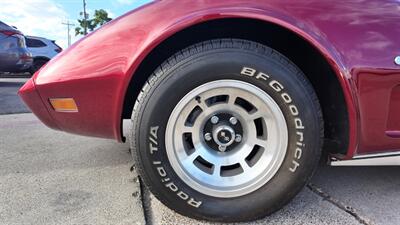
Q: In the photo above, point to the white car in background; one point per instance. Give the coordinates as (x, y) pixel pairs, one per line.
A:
(42, 50)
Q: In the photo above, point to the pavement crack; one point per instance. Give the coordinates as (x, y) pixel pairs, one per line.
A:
(145, 198)
(348, 209)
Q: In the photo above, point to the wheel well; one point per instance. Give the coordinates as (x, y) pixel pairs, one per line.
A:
(298, 50)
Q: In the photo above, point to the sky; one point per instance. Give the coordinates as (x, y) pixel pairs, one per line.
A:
(44, 18)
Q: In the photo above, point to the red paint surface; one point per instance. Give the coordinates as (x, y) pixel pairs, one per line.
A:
(358, 38)
(393, 120)
(31, 97)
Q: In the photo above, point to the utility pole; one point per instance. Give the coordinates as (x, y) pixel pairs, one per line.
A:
(84, 18)
(68, 27)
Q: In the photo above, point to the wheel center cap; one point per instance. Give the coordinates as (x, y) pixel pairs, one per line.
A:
(224, 135)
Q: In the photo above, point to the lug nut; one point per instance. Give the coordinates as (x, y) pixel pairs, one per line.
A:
(238, 138)
(214, 119)
(233, 120)
(222, 148)
(207, 137)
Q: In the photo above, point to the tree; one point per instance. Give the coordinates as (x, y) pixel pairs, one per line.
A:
(100, 17)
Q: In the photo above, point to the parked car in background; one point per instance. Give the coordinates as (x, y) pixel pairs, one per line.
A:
(42, 50)
(14, 56)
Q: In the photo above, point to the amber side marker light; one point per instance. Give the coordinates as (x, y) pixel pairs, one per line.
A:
(64, 104)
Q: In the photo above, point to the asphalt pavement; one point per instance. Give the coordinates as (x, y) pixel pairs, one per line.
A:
(50, 177)
(9, 101)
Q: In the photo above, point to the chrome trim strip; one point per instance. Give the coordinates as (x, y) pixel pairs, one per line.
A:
(383, 154)
(377, 161)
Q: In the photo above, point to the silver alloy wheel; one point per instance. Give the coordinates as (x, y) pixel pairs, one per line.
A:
(199, 137)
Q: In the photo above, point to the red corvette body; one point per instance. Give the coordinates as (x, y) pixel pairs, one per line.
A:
(358, 39)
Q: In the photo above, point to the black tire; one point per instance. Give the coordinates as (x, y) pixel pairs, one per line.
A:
(37, 64)
(224, 59)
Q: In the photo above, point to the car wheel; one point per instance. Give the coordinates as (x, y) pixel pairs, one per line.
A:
(226, 130)
(37, 64)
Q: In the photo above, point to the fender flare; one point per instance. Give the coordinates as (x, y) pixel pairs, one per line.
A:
(287, 22)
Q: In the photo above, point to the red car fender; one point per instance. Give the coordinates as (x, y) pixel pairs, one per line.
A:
(103, 63)
(285, 21)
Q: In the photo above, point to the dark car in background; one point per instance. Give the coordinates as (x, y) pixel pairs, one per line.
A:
(14, 56)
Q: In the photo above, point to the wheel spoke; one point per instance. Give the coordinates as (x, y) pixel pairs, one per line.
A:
(258, 114)
(217, 171)
(189, 159)
(244, 165)
(202, 104)
(187, 129)
(232, 98)
(261, 142)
